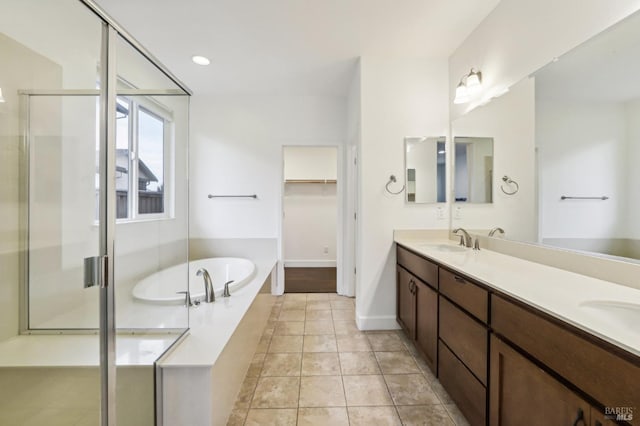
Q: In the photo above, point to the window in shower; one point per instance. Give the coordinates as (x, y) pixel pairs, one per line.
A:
(142, 159)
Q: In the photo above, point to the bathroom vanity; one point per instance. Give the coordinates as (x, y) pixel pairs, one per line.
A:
(515, 342)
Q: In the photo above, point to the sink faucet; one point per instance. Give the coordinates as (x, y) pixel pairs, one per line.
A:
(496, 229)
(465, 239)
(209, 295)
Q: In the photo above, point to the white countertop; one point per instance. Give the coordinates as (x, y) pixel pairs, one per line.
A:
(557, 292)
(211, 325)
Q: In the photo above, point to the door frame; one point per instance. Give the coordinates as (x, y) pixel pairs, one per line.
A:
(278, 287)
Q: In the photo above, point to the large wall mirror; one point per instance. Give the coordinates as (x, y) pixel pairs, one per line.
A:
(588, 141)
(579, 174)
(425, 169)
(473, 169)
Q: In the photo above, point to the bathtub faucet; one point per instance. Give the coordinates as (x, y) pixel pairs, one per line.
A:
(226, 293)
(209, 295)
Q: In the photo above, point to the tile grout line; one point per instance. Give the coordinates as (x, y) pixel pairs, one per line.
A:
(344, 390)
(386, 385)
(442, 403)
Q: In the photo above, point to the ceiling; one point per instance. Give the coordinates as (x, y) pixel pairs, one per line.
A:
(291, 47)
(603, 69)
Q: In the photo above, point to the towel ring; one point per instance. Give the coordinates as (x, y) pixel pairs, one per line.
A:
(506, 179)
(392, 179)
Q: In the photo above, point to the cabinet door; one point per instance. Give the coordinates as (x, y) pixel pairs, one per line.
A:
(427, 324)
(522, 393)
(406, 302)
(599, 419)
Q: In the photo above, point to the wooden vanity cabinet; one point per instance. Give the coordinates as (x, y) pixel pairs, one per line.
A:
(417, 303)
(522, 393)
(504, 362)
(464, 340)
(405, 301)
(600, 371)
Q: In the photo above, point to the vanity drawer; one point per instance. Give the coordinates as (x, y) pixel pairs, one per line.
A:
(466, 391)
(612, 379)
(466, 337)
(469, 296)
(418, 266)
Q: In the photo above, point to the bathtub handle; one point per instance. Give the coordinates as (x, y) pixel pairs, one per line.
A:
(226, 293)
(187, 298)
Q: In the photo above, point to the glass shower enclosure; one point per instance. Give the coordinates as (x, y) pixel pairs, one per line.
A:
(94, 191)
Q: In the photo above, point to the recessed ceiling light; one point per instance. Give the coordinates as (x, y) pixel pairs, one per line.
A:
(200, 60)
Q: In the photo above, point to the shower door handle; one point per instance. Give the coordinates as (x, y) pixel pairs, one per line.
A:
(95, 269)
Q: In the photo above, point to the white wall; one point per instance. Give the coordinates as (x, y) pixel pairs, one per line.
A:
(236, 148)
(310, 163)
(399, 97)
(510, 120)
(582, 151)
(520, 36)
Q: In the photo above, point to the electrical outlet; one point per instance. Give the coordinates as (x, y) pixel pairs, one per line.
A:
(440, 213)
(458, 213)
(326, 250)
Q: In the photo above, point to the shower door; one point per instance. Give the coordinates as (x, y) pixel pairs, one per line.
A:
(66, 262)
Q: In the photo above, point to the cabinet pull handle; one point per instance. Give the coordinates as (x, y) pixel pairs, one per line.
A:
(579, 418)
(459, 279)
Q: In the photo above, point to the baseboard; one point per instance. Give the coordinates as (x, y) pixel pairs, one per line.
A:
(309, 263)
(382, 322)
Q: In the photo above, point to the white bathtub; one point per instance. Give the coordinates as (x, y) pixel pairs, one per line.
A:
(163, 286)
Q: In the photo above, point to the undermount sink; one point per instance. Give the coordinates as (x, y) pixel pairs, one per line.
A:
(619, 314)
(444, 247)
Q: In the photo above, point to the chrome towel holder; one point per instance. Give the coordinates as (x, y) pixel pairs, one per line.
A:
(392, 179)
(506, 179)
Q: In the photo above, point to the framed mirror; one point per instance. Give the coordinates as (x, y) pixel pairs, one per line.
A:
(473, 169)
(425, 169)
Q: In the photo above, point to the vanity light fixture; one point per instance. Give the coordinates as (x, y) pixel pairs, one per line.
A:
(200, 60)
(474, 80)
(1, 97)
(470, 84)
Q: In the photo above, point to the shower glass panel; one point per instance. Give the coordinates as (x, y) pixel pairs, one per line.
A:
(151, 236)
(63, 210)
(51, 60)
(79, 181)
(151, 244)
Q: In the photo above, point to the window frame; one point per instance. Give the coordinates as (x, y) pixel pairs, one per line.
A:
(157, 110)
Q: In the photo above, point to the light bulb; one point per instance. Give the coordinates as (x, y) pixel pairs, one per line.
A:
(474, 81)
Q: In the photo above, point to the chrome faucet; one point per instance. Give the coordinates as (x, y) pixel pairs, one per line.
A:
(209, 295)
(187, 298)
(226, 293)
(496, 229)
(465, 239)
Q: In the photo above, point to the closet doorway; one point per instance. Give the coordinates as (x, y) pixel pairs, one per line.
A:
(310, 219)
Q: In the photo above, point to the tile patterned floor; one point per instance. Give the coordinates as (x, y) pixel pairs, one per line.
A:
(314, 367)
